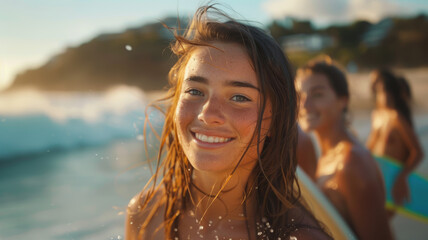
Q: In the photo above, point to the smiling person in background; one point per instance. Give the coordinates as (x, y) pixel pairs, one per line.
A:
(228, 146)
(346, 171)
(392, 133)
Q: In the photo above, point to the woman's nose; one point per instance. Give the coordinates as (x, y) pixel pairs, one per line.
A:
(212, 112)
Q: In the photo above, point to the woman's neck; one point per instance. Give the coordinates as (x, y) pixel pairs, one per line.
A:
(329, 138)
(219, 195)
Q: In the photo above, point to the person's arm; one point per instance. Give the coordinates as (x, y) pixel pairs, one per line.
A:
(412, 143)
(400, 190)
(373, 135)
(364, 195)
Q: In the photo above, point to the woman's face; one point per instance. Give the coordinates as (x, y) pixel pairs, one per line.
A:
(218, 107)
(379, 88)
(320, 108)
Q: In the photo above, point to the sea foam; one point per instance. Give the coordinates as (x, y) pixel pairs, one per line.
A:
(34, 122)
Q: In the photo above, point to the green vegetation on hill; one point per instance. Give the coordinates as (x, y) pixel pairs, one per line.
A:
(393, 42)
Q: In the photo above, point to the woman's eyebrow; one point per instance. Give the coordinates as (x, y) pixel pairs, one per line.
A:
(318, 87)
(228, 83)
(242, 84)
(197, 79)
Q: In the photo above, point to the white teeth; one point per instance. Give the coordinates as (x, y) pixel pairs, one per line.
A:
(211, 139)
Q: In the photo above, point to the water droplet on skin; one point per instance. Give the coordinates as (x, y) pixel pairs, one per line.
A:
(229, 220)
(264, 219)
(271, 230)
(293, 238)
(259, 233)
(201, 227)
(128, 47)
(232, 227)
(219, 217)
(131, 223)
(292, 219)
(190, 227)
(175, 230)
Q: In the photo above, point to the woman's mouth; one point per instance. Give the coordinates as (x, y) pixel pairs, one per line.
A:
(211, 139)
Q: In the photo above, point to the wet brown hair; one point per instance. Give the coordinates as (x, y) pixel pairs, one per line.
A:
(273, 178)
(398, 89)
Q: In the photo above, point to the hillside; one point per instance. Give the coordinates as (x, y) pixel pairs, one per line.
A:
(137, 57)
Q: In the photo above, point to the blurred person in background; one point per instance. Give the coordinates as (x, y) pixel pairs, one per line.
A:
(227, 160)
(392, 132)
(346, 171)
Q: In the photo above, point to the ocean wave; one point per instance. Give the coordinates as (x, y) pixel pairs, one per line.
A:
(35, 122)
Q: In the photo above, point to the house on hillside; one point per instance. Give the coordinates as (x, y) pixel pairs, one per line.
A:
(377, 32)
(306, 42)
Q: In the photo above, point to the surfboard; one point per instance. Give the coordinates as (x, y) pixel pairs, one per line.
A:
(417, 207)
(322, 209)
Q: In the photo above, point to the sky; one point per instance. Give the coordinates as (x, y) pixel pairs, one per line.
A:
(32, 31)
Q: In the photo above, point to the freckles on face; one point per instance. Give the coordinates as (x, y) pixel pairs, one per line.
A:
(218, 108)
(319, 106)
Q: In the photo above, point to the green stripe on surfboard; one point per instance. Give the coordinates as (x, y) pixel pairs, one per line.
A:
(417, 207)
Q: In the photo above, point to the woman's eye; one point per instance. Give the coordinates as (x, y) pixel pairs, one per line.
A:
(194, 92)
(317, 94)
(240, 98)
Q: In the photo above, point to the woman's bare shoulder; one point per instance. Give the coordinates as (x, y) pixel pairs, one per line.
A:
(144, 216)
(359, 172)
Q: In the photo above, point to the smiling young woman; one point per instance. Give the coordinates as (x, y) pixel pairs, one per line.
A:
(346, 171)
(228, 146)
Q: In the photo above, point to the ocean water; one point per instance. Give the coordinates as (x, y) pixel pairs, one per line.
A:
(69, 164)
